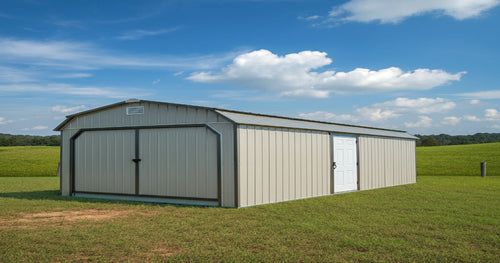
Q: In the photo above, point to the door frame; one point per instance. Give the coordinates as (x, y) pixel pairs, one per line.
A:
(332, 153)
(73, 138)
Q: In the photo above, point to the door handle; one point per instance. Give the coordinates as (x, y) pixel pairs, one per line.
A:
(136, 160)
(334, 165)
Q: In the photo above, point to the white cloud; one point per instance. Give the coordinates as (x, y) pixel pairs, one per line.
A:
(66, 110)
(390, 11)
(451, 120)
(327, 116)
(490, 94)
(4, 121)
(492, 115)
(420, 105)
(73, 75)
(74, 55)
(474, 102)
(40, 127)
(395, 108)
(13, 75)
(293, 75)
(156, 81)
(471, 118)
(61, 88)
(376, 114)
(424, 121)
(138, 34)
(178, 73)
(313, 17)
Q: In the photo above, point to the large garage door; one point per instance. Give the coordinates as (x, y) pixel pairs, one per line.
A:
(179, 162)
(174, 162)
(103, 162)
(345, 176)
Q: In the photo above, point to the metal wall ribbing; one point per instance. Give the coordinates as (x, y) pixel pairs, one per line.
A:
(386, 162)
(282, 164)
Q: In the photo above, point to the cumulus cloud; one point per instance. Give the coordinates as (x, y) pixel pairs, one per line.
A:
(376, 114)
(156, 81)
(4, 121)
(451, 120)
(424, 121)
(474, 102)
(390, 11)
(328, 116)
(395, 108)
(489, 94)
(471, 118)
(66, 110)
(294, 75)
(492, 115)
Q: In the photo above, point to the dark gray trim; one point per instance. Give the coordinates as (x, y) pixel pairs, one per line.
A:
(236, 171)
(152, 196)
(136, 161)
(61, 163)
(137, 128)
(332, 171)
(357, 162)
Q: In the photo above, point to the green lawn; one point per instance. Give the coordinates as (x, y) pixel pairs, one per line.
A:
(459, 159)
(439, 219)
(29, 161)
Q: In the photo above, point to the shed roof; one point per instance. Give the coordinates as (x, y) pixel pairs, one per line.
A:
(249, 118)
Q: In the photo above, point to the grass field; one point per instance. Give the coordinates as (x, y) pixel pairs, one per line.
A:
(459, 159)
(439, 219)
(29, 161)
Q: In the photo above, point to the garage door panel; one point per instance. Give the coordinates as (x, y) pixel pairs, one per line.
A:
(180, 162)
(104, 162)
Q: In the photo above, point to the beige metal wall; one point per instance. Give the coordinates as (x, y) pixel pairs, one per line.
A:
(278, 164)
(386, 162)
(105, 162)
(155, 114)
(180, 162)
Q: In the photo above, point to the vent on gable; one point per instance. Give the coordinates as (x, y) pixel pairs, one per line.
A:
(135, 110)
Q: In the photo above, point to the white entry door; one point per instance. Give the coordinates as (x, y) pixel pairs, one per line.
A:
(345, 176)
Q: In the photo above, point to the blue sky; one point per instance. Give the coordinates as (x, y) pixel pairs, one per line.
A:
(427, 67)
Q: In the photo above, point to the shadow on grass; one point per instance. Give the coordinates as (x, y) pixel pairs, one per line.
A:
(54, 195)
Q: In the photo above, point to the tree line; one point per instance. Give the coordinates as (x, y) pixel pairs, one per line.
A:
(445, 139)
(424, 140)
(29, 140)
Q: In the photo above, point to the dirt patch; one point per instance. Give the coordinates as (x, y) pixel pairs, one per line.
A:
(60, 217)
(165, 251)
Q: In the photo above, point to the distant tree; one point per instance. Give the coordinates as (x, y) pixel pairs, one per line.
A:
(430, 142)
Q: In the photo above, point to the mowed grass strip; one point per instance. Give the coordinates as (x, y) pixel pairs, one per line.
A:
(439, 219)
(461, 160)
(30, 161)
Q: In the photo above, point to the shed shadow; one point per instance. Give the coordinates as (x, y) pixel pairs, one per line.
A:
(54, 195)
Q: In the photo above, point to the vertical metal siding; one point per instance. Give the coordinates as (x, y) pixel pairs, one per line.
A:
(281, 164)
(193, 171)
(386, 162)
(101, 170)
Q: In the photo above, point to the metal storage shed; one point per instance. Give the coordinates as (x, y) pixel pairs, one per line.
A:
(165, 152)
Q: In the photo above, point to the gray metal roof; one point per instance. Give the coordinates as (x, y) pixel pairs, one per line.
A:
(248, 118)
(284, 122)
